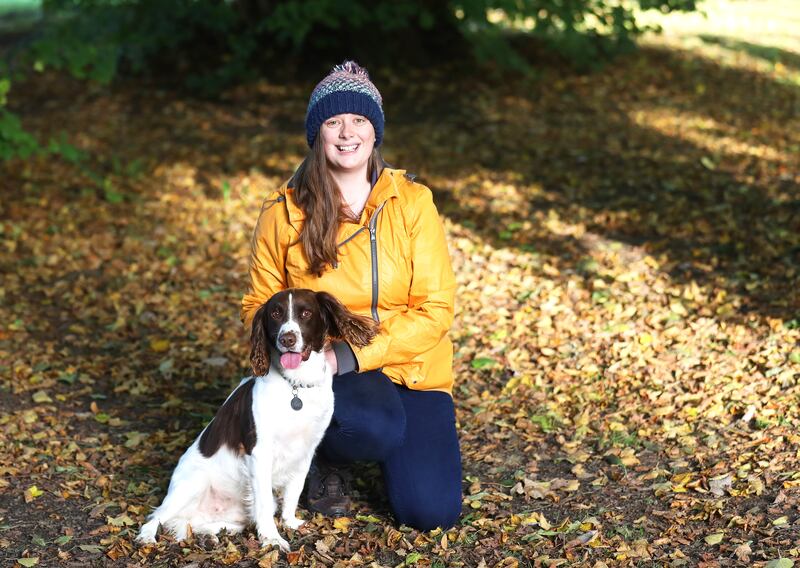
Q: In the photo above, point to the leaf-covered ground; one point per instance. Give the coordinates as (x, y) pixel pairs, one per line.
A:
(627, 245)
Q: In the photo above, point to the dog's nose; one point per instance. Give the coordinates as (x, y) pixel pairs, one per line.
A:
(288, 340)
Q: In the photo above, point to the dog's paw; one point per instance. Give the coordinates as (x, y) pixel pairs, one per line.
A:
(293, 522)
(147, 534)
(208, 541)
(276, 540)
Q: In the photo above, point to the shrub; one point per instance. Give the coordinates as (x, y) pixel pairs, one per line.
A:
(210, 44)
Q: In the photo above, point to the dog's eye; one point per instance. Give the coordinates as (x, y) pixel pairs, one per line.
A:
(305, 314)
(276, 313)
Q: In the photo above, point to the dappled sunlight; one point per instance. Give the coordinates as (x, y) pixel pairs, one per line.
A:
(721, 141)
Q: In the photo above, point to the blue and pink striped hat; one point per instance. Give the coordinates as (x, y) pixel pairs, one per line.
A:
(346, 89)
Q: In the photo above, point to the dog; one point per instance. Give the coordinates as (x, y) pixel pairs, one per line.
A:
(264, 435)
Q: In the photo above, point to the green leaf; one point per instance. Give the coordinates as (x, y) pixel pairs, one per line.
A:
(101, 417)
(714, 538)
(477, 496)
(38, 541)
(62, 540)
(113, 196)
(780, 563)
(412, 558)
(5, 85)
(483, 363)
(68, 378)
(708, 163)
(90, 548)
(368, 518)
(794, 356)
(32, 561)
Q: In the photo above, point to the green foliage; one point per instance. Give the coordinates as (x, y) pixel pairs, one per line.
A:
(584, 31)
(14, 140)
(216, 43)
(211, 44)
(94, 39)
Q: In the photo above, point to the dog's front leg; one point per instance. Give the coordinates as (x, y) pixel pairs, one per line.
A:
(291, 495)
(260, 470)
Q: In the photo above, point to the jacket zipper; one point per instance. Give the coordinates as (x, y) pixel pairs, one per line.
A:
(373, 242)
(351, 237)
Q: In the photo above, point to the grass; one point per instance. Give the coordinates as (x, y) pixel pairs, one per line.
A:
(18, 15)
(737, 33)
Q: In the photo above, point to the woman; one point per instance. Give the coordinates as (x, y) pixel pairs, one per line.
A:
(347, 224)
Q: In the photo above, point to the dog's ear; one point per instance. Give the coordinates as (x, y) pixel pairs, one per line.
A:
(358, 331)
(259, 354)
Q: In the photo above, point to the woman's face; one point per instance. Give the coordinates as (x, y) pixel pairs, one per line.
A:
(348, 140)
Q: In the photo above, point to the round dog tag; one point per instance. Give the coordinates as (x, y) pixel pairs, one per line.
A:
(296, 403)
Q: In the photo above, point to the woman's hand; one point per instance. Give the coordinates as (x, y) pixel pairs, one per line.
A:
(330, 358)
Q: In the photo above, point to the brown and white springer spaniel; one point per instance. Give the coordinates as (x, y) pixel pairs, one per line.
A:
(264, 436)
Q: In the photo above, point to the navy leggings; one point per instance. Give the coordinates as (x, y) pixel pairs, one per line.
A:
(412, 434)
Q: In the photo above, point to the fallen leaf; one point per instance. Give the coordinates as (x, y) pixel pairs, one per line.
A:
(159, 345)
(32, 493)
(342, 523)
(41, 397)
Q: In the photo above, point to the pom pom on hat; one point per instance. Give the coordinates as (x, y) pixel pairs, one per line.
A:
(346, 89)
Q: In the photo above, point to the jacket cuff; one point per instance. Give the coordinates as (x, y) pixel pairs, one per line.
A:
(345, 358)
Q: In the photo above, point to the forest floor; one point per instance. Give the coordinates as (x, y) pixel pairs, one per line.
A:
(627, 249)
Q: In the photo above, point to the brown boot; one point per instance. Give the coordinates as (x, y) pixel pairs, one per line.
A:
(328, 489)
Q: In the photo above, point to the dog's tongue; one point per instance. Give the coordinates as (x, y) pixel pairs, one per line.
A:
(291, 360)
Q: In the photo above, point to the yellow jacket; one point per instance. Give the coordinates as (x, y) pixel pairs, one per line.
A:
(393, 265)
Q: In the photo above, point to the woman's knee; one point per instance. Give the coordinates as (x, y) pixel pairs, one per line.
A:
(428, 514)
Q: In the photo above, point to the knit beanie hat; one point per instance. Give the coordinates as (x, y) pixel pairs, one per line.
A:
(346, 89)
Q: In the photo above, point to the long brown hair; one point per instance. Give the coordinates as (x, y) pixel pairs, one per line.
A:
(318, 195)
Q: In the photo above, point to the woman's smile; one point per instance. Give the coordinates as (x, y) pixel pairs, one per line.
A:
(348, 149)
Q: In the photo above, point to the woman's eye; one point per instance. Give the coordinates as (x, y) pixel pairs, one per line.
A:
(360, 120)
(305, 314)
(332, 123)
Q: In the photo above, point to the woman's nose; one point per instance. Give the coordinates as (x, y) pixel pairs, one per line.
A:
(345, 132)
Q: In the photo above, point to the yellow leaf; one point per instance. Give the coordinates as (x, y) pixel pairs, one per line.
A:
(645, 339)
(32, 493)
(342, 523)
(714, 538)
(232, 554)
(616, 426)
(41, 397)
(120, 520)
(159, 345)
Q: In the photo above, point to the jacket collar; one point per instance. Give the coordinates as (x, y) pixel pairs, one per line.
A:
(384, 188)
